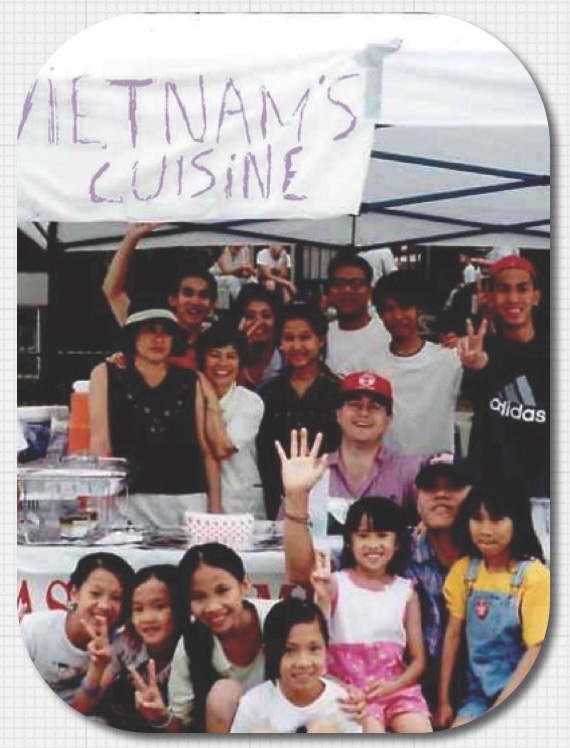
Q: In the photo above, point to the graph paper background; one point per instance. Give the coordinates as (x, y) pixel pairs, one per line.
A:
(538, 33)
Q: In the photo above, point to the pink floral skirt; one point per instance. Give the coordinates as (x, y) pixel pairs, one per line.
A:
(361, 665)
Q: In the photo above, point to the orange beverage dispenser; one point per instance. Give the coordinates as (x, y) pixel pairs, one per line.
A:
(79, 426)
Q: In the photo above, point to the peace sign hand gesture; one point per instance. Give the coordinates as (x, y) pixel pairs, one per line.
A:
(148, 699)
(303, 468)
(470, 347)
(99, 648)
(321, 580)
(248, 327)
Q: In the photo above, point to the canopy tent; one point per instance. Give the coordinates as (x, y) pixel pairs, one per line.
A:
(460, 154)
(477, 186)
(461, 147)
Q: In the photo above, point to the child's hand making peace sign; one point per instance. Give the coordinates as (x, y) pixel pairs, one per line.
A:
(148, 699)
(321, 580)
(99, 648)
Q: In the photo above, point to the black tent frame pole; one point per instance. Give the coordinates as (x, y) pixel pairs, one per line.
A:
(50, 352)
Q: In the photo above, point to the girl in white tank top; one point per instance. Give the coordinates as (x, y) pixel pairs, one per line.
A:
(376, 642)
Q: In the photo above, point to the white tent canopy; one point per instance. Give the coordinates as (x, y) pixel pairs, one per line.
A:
(461, 150)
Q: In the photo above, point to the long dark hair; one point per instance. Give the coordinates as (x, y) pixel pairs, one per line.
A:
(278, 624)
(382, 515)
(197, 637)
(499, 501)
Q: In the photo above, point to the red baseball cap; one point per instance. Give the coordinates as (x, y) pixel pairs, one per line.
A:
(512, 262)
(369, 383)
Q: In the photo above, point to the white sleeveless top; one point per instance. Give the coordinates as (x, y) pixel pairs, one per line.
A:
(363, 616)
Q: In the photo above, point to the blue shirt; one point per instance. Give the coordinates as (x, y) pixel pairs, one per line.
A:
(429, 574)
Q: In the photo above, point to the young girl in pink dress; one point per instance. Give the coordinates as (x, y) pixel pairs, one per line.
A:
(376, 640)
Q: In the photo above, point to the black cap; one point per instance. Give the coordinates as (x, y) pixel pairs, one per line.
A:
(456, 469)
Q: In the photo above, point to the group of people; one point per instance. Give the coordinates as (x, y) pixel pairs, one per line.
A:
(197, 406)
(343, 427)
(456, 613)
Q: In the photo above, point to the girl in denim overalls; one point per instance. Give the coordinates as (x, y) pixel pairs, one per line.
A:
(500, 594)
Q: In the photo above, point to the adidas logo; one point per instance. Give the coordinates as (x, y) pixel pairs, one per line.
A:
(518, 412)
(516, 401)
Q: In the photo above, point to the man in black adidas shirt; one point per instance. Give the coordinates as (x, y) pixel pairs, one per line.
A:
(508, 382)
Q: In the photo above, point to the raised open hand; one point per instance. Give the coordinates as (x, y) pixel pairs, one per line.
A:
(148, 699)
(99, 648)
(304, 467)
(470, 347)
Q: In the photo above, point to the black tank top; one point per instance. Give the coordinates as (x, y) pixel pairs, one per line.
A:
(155, 429)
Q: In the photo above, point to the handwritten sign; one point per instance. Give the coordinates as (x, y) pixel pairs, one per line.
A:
(189, 137)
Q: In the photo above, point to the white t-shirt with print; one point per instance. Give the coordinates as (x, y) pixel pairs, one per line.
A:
(62, 665)
(266, 706)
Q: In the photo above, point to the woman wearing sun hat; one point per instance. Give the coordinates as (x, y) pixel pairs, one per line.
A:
(152, 413)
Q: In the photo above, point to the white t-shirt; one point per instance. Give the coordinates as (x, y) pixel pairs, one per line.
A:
(266, 706)
(381, 261)
(266, 259)
(357, 350)
(426, 386)
(242, 411)
(180, 686)
(62, 665)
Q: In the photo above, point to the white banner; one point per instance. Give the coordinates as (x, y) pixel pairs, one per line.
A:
(192, 118)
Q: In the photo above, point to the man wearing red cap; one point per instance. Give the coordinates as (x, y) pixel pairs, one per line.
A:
(363, 466)
(509, 382)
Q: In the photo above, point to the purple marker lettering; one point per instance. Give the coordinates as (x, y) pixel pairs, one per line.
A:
(27, 108)
(343, 105)
(180, 173)
(301, 108)
(230, 86)
(172, 91)
(53, 124)
(250, 163)
(93, 196)
(77, 114)
(205, 170)
(267, 98)
(160, 182)
(132, 85)
(229, 178)
(290, 174)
